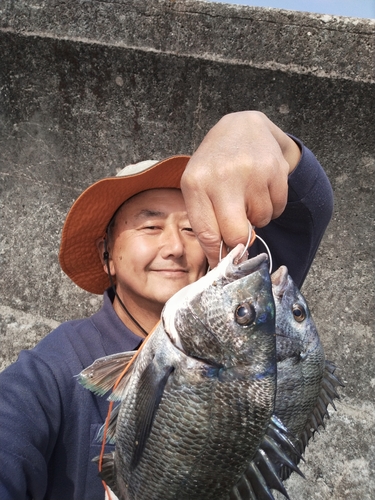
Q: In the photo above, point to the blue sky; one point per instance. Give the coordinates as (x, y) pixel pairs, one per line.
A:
(353, 8)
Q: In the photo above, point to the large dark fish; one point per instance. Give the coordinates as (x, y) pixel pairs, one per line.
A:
(200, 395)
(306, 385)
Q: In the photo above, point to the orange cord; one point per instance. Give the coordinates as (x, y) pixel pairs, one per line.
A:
(106, 425)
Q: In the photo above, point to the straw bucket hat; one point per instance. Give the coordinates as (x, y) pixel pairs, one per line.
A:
(90, 214)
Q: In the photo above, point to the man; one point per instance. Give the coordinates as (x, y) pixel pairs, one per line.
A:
(138, 232)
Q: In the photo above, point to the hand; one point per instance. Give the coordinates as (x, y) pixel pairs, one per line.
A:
(238, 173)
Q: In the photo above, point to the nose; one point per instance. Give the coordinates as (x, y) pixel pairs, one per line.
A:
(172, 244)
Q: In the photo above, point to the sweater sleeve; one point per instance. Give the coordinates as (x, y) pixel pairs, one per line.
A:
(49, 422)
(294, 237)
(29, 421)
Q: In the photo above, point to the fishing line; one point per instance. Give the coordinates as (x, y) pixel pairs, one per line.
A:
(250, 240)
(268, 251)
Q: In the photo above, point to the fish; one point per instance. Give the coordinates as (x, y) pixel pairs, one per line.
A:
(306, 385)
(199, 395)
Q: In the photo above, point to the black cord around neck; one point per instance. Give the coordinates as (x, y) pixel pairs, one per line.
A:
(113, 286)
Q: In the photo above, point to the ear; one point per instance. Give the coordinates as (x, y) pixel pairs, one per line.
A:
(102, 248)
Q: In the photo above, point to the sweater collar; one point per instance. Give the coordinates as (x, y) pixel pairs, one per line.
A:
(116, 337)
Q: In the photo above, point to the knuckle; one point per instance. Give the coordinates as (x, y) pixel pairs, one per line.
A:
(208, 239)
(278, 209)
(193, 175)
(188, 181)
(262, 221)
(260, 218)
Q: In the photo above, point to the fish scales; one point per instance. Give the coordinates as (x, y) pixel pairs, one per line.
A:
(306, 385)
(199, 441)
(300, 354)
(214, 360)
(193, 461)
(303, 369)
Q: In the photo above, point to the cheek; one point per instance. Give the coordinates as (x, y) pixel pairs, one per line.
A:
(203, 268)
(198, 259)
(134, 253)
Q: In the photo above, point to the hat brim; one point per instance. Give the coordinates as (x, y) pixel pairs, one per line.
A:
(90, 214)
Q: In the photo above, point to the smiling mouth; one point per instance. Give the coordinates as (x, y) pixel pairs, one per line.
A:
(169, 271)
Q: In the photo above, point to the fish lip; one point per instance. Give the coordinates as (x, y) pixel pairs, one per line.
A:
(245, 266)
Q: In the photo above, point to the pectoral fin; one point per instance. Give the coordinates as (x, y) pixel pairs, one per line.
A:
(150, 392)
(110, 435)
(101, 376)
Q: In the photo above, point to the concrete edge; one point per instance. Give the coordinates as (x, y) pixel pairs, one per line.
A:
(267, 65)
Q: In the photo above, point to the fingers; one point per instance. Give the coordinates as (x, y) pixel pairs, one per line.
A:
(218, 211)
(220, 205)
(238, 174)
(269, 204)
(206, 228)
(212, 228)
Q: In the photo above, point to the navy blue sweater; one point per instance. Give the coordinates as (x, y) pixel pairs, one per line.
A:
(49, 422)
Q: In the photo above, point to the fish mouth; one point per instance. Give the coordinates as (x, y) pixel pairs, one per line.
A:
(240, 266)
(280, 281)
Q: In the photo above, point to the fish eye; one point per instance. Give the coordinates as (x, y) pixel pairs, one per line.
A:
(245, 314)
(299, 312)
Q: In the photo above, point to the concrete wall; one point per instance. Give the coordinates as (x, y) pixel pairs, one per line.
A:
(87, 87)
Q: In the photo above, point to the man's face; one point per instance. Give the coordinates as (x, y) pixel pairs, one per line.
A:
(153, 251)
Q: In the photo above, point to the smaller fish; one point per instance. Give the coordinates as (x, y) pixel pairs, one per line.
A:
(306, 386)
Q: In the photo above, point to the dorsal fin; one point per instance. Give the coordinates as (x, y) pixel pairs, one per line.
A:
(319, 413)
(263, 473)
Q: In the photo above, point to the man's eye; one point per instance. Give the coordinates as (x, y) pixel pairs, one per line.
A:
(188, 230)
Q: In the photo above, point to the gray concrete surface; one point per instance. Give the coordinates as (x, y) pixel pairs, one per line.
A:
(87, 87)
